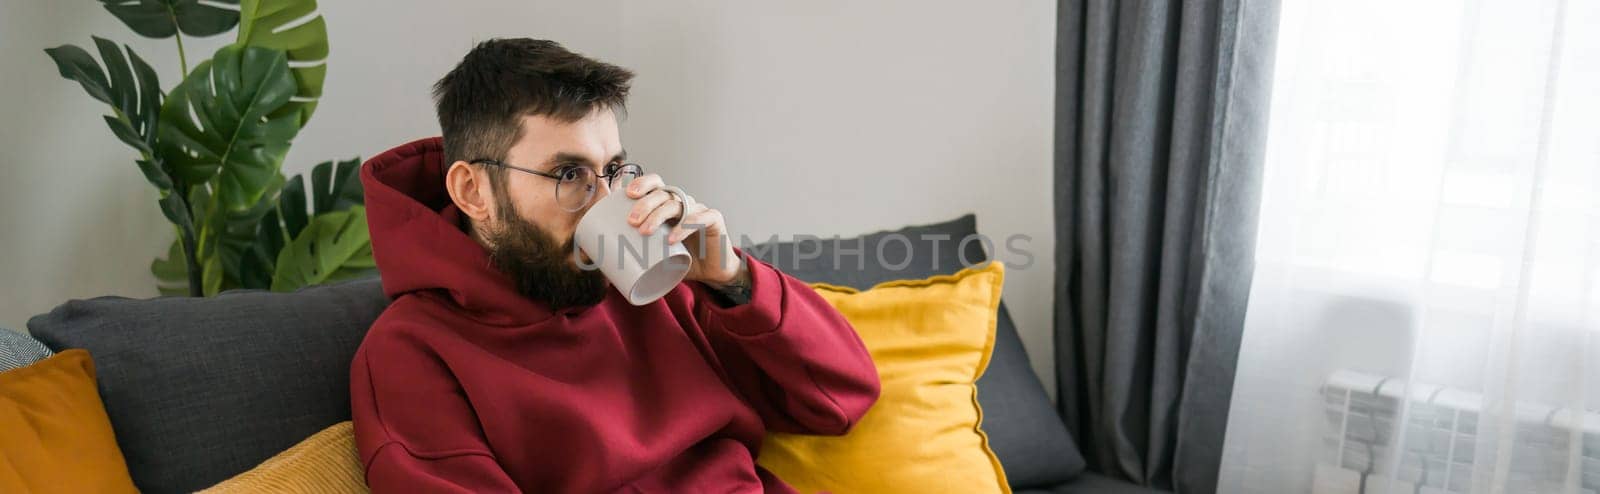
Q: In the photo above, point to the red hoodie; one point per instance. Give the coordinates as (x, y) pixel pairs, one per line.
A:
(464, 385)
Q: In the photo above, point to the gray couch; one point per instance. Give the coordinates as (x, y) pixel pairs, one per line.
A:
(199, 390)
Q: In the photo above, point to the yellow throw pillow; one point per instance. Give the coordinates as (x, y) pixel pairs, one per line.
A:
(324, 462)
(54, 434)
(930, 340)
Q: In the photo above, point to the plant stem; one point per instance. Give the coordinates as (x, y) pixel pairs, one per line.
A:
(182, 60)
(196, 284)
(191, 247)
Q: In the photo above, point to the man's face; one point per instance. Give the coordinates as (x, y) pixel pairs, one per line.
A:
(530, 233)
(547, 145)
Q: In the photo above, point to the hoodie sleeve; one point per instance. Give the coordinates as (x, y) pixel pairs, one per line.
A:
(414, 429)
(791, 354)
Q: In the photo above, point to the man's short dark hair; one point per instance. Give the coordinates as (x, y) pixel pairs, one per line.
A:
(482, 100)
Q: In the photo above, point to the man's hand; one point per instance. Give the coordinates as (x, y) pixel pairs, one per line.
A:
(702, 231)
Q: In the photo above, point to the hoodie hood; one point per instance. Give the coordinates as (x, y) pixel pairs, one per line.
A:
(419, 248)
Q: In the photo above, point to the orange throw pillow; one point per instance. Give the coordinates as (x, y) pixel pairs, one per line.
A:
(56, 437)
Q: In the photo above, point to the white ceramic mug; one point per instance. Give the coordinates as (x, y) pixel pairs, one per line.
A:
(642, 267)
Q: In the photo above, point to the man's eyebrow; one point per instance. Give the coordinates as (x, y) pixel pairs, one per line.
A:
(569, 157)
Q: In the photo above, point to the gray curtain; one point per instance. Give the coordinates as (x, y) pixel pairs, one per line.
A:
(1161, 113)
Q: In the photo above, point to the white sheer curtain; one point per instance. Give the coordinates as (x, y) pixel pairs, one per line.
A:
(1425, 308)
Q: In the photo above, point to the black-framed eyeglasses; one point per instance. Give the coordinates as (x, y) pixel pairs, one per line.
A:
(575, 184)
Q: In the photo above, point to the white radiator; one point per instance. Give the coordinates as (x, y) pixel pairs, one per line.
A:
(1442, 440)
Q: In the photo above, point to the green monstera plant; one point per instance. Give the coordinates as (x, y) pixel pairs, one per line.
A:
(213, 146)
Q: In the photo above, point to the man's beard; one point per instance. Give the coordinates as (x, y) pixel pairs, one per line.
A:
(539, 266)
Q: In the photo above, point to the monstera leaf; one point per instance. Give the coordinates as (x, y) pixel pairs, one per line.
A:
(132, 89)
(334, 246)
(136, 107)
(164, 18)
(235, 235)
(172, 273)
(218, 124)
(335, 187)
(292, 208)
(263, 23)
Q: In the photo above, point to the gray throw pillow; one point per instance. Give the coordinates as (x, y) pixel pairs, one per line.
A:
(18, 350)
(1032, 443)
(201, 389)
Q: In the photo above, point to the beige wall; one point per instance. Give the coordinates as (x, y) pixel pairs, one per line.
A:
(816, 118)
(837, 117)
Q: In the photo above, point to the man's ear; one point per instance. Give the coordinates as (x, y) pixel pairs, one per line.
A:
(469, 189)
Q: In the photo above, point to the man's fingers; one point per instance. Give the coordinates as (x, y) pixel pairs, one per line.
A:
(688, 225)
(645, 205)
(665, 210)
(644, 185)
